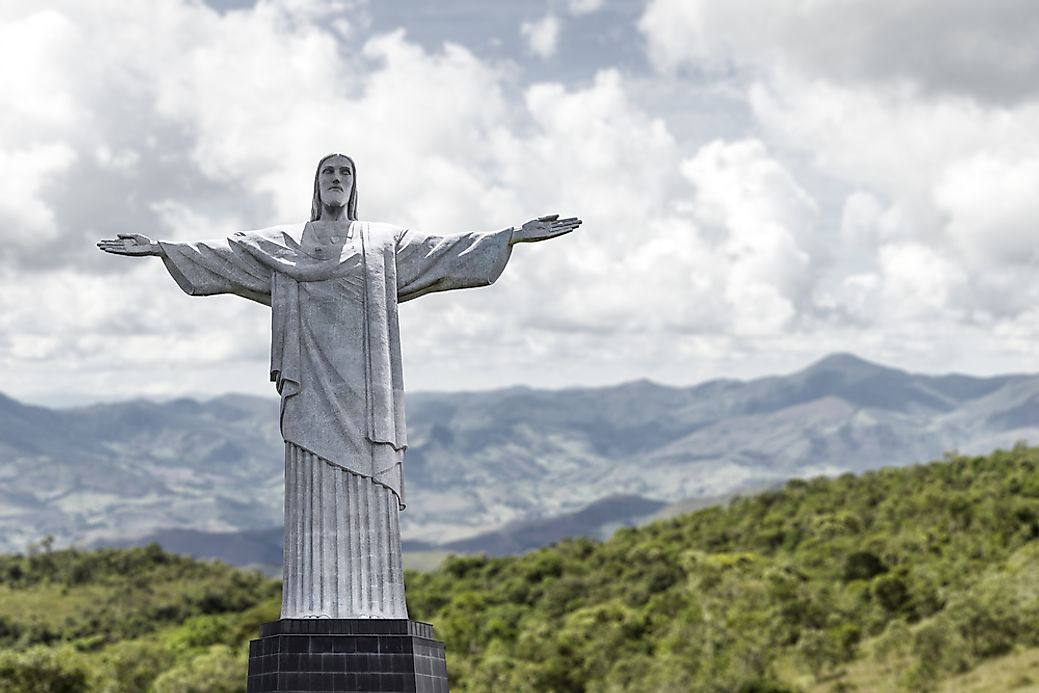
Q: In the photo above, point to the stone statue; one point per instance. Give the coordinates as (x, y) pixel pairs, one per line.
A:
(333, 285)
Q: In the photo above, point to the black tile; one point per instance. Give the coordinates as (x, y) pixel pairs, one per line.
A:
(320, 644)
(368, 682)
(391, 664)
(309, 663)
(408, 683)
(321, 682)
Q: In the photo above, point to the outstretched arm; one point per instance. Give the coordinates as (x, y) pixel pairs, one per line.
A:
(203, 268)
(428, 263)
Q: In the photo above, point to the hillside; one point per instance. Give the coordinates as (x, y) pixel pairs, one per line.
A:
(490, 463)
(901, 579)
(920, 573)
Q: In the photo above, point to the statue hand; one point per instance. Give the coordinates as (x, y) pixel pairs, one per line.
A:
(543, 228)
(130, 244)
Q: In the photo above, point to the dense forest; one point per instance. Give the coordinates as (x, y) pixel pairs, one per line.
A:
(923, 578)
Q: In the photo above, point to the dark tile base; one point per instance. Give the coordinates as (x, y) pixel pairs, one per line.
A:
(326, 655)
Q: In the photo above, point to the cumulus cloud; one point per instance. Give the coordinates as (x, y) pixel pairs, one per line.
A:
(582, 7)
(696, 252)
(542, 35)
(26, 173)
(983, 50)
(943, 171)
(922, 115)
(755, 211)
(220, 119)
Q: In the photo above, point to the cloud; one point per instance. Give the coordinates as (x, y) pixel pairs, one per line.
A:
(922, 116)
(763, 223)
(945, 172)
(542, 36)
(960, 47)
(26, 173)
(991, 206)
(582, 7)
(846, 215)
(220, 122)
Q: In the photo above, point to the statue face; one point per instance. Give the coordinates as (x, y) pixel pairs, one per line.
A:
(336, 181)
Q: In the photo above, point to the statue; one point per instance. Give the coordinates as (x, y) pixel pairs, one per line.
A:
(333, 285)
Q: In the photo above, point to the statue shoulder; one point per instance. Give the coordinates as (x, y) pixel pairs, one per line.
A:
(272, 234)
(381, 232)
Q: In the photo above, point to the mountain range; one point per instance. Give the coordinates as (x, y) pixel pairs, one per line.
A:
(498, 471)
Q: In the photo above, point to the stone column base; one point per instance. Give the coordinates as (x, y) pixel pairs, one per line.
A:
(326, 655)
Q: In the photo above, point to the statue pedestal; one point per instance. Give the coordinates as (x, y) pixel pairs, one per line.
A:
(327, 655)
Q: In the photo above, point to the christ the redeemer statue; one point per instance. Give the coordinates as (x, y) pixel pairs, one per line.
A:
(333, 285)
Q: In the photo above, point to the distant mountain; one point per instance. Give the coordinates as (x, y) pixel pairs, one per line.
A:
(598, 520)
(511, 464)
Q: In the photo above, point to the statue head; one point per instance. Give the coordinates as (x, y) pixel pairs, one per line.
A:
(333, 188)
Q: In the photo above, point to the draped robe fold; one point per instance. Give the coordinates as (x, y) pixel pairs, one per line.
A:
(336, 362)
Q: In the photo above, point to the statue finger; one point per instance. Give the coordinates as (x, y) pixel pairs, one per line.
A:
(548, 217)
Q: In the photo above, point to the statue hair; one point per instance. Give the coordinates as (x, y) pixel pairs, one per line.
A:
(351, 204)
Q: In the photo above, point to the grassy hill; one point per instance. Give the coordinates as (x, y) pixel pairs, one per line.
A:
(925, 578)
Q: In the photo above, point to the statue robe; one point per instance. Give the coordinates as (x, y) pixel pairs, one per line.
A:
(336, 361)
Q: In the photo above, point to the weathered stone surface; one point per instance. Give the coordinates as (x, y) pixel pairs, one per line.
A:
(333, 285)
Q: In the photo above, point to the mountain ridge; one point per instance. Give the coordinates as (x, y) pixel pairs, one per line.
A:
(480, 461)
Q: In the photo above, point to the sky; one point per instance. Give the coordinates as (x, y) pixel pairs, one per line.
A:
(762, 183)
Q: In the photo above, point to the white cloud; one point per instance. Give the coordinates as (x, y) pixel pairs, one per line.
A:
(542, 36)
(991, 204)
(764, 222)
(984, 50)
(582, 7)
(945, 172)
(698, 257)
(923, 116)
(30, 222)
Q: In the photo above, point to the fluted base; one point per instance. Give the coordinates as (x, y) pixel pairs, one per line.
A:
(355, 655)
(342, 543)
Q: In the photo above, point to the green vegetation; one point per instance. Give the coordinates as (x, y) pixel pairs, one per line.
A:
(924, 578)
(129, 620)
